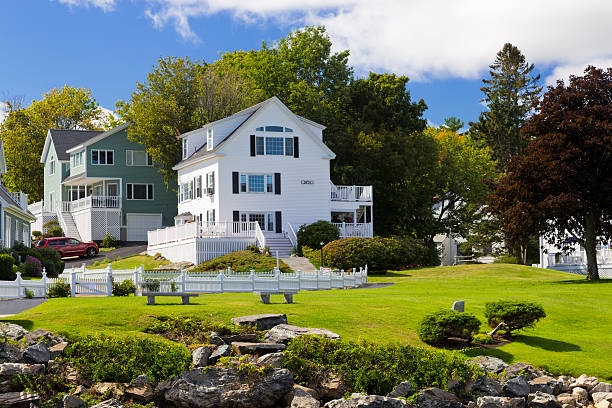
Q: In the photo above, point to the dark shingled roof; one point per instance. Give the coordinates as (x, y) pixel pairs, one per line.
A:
(65, 139)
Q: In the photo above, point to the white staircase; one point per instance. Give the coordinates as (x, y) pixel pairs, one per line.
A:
(68, 225)
(280, 243)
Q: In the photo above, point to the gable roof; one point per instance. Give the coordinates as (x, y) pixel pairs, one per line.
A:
(239, 119)
(98, 137)
(64, 139)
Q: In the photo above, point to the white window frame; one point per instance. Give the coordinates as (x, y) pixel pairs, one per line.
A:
(198, 187)
(185, 148)
(209, 139)
(105, 157)
(129, 158)
(52, 166)
(129, 190)
(210, 217)
(210, 183)
(265, 183)
(76, 159)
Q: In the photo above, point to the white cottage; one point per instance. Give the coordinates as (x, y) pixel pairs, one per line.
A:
(254, 178)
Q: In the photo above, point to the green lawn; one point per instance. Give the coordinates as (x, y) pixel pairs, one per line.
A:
(131, 262)
(575, 338)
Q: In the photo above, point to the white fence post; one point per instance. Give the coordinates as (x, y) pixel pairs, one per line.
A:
(43, 280)
(366, 273)
(109, 280)
(183, 279)
(221, 276)
(277, 274)
(72, 283)
(140, 276)
(135, 279)
(18, 281)
(317, 275)
(299, 279)
(252, 280)
(83, 267)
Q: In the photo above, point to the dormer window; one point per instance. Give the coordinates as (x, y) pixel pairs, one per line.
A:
(209, 139)
(185, 146)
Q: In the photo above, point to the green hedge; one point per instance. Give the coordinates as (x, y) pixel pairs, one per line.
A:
(373, 368)
(380, 254)
(103, 358)
(6, 268)
(50, 258)
(516, 315)
(313, 234)
(242, 261)
(440, 326)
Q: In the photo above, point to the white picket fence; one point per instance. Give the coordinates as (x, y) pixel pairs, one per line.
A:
(85, 281)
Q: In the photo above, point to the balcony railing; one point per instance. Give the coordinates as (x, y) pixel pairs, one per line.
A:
(36, 208)
(92, 202)
(221, 229)
(350, 193)
(21, 198)
(349, 230)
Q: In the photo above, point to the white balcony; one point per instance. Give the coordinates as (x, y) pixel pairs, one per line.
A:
(92, 202)
(350, 230)
(21, 198)
(221, 229)
(350, 193)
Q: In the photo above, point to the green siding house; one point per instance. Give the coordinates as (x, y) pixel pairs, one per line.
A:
(99, 183)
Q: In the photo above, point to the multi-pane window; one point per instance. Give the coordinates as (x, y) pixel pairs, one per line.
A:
(259, 145)
(210, 216)
(185, 146)
(102, 157)
(210, 183)
(186, 191)
(138, 158)
(274, 146)
(198, 187)
(257, 183)
(52, 166)
(76, 192)
(76, 159)
(137, 191)
(288, 146)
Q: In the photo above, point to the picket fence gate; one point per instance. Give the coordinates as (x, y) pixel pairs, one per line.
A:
(85, 281)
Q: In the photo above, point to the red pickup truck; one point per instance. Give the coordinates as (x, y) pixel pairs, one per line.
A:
(69, 246)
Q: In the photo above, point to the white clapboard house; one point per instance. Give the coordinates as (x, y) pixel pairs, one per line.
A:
(254, 178)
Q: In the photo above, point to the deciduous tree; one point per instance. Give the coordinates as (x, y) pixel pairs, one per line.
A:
(561, 184)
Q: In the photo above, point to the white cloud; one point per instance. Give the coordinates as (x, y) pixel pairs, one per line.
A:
(563, 72)
(3, 111)
(106, 5)
(423, 39)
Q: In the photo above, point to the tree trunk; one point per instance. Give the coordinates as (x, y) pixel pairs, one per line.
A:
(590, 244)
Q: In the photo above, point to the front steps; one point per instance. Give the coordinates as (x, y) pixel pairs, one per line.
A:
(280, 243)
(69, 226)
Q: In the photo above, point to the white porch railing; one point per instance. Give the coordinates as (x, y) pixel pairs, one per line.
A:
(21, 198)
(92, 202)
(350, 193)
(221, 229)
(36, 208)
(292, 236)
(259, 235)
(359, 230)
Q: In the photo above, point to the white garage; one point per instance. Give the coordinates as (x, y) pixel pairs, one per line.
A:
(139, 224)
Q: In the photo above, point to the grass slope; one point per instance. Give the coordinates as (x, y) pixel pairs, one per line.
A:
(573, 339)
(130, 262)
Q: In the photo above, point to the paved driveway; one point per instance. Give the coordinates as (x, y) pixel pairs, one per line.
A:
(11, 307)
(128, 249)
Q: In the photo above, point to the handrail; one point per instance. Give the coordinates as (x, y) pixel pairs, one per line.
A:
(361, 230)
(190, 230)
(292, 236)
(350, 193)
(92, 202)
(259, 235)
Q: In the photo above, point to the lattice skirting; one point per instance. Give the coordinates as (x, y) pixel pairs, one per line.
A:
(95, 224)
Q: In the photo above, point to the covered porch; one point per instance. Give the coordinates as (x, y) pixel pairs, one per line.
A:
(81, 192)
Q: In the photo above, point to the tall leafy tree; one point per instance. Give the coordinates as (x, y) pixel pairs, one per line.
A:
(511, 94)
(25, 128)
(561, 185)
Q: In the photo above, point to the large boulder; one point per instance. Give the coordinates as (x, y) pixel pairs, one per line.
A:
(527, 370)
(12, 331)
(215, 339)
(602, 387)
(261, 321)
(581, 394)
(303, 399)
(329, 386)
(403, 390)
(57, 350)
(39, 335)
(230, 338)
(546, 384)
(72, 401)
(516, 387)
(37, 354)
(21, 369)
(223, 350)
(200, 356)
(567, 399)
(367, 401)
(586, 382)
(500, 402)
(140, 389)
(108, 388)
(484, 386)
(283, 333)
(601, 396)
(542, 400)
(10, 353)
(437, 398)
(274, 360)
(490, 364)
(257, 348)
(226, 387)
(18, 400)
(603, 404)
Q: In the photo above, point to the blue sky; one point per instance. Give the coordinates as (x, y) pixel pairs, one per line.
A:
(109, 45)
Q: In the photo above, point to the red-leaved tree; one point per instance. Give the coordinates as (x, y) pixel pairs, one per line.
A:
(561, 184)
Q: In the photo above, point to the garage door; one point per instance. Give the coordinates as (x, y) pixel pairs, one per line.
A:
(139, 224)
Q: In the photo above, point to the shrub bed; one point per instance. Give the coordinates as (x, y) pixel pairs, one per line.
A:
(440, 326)
(516, 315)
(103, 358)
(124, 288)
(380, 254)
(242, 261)
(49, 258)
(6, 268)
(58, 290)
(373, 368)
(313, 234)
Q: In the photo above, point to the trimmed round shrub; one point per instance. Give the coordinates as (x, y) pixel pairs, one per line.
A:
(109, 242)
(55, 232)
(440, 326)
(312, 235)
(31, 267)
(516, 315)
(380, 254)
(6, 268)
